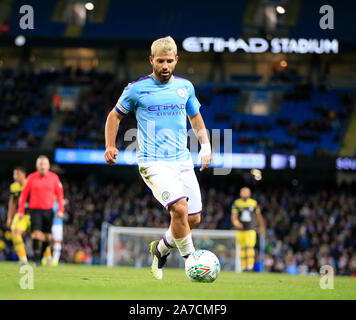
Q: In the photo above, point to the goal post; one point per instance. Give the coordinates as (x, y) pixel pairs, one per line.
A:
(129, 246)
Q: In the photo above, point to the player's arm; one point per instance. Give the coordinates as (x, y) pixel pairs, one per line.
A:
(23, 197)
(60, 197)
(198, 126)
(10, 211)
(111, 128)
(234, 217)
(260, 220)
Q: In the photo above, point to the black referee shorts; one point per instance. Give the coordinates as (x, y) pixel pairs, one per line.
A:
(41, 220)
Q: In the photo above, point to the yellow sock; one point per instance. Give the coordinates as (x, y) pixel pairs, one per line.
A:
(243, 258)
(19, 246)
(47, 254)
(250, 258)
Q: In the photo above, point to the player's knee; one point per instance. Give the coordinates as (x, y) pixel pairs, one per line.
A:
(179, 209)
(194, 220)
(37, 234)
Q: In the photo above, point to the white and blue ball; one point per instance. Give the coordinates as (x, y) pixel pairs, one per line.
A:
(202, 266)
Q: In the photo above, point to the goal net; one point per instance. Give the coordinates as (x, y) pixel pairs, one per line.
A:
(128, 246)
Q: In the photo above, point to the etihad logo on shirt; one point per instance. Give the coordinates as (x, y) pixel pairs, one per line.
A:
(172, 107)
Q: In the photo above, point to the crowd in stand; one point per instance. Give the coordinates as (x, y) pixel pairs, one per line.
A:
(26, 94)
(303, 230)
(21, 95)
(93, 106)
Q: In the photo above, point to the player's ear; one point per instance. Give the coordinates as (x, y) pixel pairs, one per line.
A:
(177, 58)
(151, 60)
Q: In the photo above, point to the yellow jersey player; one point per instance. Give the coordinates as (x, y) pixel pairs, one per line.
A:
(243, 213)
(17, 226)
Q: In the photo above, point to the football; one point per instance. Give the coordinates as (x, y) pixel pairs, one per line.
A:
(202, 266)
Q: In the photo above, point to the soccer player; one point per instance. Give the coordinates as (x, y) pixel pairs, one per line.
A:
(41, 187)
(18, 226)
(242, 215)
(162, 102)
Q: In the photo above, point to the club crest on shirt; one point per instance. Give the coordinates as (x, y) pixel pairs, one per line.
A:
(181, 92)
(166, 195)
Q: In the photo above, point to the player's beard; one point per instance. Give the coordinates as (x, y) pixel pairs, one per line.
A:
(163, 77)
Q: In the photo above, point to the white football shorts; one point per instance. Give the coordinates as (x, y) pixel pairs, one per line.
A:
(171, 181)
(57, 232)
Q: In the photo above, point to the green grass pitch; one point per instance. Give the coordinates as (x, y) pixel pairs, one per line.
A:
(98, 282)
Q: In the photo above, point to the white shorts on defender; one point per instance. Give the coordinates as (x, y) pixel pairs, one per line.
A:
(171, 181)
(57, 232)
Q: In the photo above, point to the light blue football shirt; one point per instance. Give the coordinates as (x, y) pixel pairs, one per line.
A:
(161, 111)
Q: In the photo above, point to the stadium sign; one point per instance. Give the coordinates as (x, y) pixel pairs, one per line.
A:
(261, 45)
(346, 163)
(125, 157)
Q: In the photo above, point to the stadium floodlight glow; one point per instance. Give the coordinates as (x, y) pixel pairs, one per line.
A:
(255, 172)
(280, 10)
(20, 41)
(89, 6)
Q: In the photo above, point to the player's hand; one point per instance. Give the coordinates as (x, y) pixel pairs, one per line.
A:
(238, 225)
(110, 155)
(20, 216)
(204, 156)
(59, 214)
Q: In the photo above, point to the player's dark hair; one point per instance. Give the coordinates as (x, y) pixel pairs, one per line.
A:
(22, 169)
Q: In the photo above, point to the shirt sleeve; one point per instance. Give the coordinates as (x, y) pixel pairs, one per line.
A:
(127, 101)
(193, 104)
(59, 193)
(12, 190)
(24, 196)
(234, 208)
(258, 208)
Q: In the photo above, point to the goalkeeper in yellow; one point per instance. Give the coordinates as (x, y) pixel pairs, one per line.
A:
(18, 226)
(243, 213)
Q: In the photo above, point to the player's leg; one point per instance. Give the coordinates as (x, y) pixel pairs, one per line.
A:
(240, 238)
(186, 213)
(57, 235)
(163, 179)
(18, 227)
(250, 248)
(57, 249)
(167, 243)
(37, 238)
(46, 255)
(47, 232)
(36, 235)
(192, 191)
(180, 227)
(194, 220)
